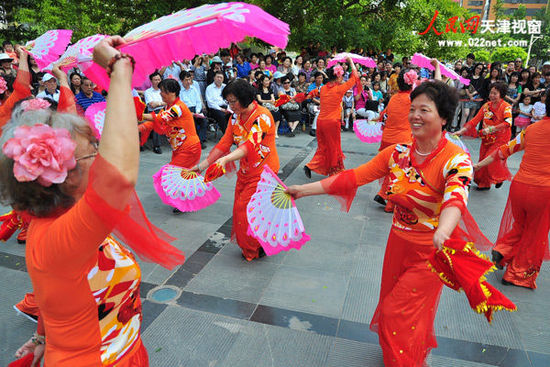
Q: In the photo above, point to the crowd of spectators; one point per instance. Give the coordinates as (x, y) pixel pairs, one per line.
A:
(274, 73)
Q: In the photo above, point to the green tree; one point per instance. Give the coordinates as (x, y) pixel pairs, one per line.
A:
(482, 55)
(505, 54)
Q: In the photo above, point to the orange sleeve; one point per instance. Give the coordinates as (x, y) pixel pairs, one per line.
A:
(343, 88)
(376, 168)
(66, 100)
(513, 146)
(21, 89)
(471, 125)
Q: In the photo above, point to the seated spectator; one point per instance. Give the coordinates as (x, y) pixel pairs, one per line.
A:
(307, 69)
(291, 109)
(154, 103)
(51, 91)
(313, 106)
(8, 49)
(254, 59)
(243, 67)
(262, 68)
(6, 66)
(277, 84)
(348, 110)
(87, 96)
(227, 66)
(266, 98)
(301, 84)
(286, 66)
(190, 95)
(298, 65)
(269, 64)
(199, 68)
(365, 107)
(215, 101)
(215, 66)
(75, 82)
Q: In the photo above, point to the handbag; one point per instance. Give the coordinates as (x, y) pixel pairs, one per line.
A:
(270, 107)
(291, 106)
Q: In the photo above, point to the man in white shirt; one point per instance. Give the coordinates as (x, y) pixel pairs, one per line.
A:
(154, 102)
(51, 91)
(190, 95)
(215, 101)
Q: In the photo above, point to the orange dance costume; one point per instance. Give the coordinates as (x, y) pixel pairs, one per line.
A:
(329, 159)
(257, 136)
(500, 118)
(523, 235)
(73, 253)
(176, 122)
(410, 291)
(397, 129)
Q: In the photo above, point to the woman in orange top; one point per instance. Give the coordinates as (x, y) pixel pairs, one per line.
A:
(252, 129)
(21, 88)
(522, 242)
(77, 198)
(329, 159)
(429, 186)
(396, 125)
(176, 122)
(497, 121)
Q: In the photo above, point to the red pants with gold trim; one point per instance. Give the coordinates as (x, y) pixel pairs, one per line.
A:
(328, 159)
(409, 297)
(523, 236)
(245, 188)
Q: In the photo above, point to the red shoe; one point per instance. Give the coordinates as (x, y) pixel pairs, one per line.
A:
(389, 207)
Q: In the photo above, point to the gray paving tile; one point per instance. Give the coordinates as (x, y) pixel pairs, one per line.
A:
(260, 345)
(14, 330)
(307, 290)
(361, 299)
(233, 277)
(532, 330)
(349, 353)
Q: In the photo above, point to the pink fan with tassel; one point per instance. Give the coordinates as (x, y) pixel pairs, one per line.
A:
(95, 114)
(368, 132)
(79, 52)
(48, 47)
(187, 33)
(358, 59)
(425, 62)
(273, 218)
(184, 189)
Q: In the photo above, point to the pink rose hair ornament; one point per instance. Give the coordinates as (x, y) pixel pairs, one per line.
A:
(35, 104)
(338, 70)
(3, 85)
(411, 78)
(41, 153)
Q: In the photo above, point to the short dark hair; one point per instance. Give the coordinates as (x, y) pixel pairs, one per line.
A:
(224, 53)
(185, 74)
(154, 74)
(170, 86)
(242, 90)
(220, 73)
(501, 87)
(471, 56)
(6, 42)
(317, 73)
(258, 72)
(331, 76)
(444, 97)
(401, 80)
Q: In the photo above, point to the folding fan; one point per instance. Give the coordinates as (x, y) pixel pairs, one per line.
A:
(368, 132)
(273, 218)
(184, 189)
(49, 46)
(425, 62)
(95, 114)
(190, 32)
(358, 59)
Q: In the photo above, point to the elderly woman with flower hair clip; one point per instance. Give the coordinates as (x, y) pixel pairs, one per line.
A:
(78, 193)
(329, 159)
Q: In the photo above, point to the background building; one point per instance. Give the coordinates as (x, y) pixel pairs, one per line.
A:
(485, 8)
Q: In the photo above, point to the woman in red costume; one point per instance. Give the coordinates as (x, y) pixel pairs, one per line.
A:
(396, 124)
(77, 194)
(252, 129)
(329, 159)
(176, 122)
(522, 242)
(497, 121)
(428, 183)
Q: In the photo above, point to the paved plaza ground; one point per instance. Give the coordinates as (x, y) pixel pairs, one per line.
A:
(307, 308)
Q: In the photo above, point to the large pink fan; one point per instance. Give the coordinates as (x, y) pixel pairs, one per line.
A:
(95, 114)
(358, 59)
(184, 189)
(79, 52)
(48, 47)
(425, 62)
(368, 131)
(273, 218)
(187, 33)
